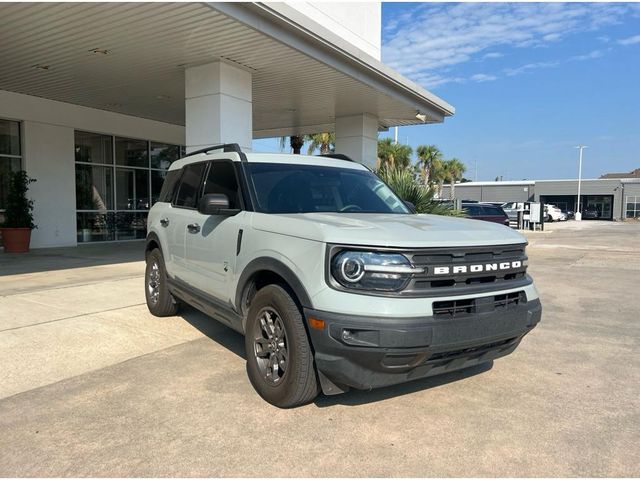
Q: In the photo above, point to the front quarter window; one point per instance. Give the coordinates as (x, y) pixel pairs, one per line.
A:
(293, 188)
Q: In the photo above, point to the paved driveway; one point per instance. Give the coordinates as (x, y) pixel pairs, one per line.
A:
(92, 385)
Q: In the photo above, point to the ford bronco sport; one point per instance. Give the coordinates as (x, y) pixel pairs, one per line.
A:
(333, 280)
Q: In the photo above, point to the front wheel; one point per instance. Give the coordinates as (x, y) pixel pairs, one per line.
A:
(159, 300)
(279, 357)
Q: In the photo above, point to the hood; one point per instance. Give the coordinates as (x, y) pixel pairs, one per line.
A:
(387, 230)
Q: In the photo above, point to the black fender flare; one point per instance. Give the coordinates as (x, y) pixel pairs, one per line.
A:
(151, 237)
(275, 266)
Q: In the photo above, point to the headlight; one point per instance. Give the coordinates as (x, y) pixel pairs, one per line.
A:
(386, 272)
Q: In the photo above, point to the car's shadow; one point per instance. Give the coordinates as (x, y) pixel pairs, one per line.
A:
(234, 342)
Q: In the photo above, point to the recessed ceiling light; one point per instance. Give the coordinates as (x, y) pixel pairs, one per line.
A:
(100, 51)
(163, 97)
(41, 67)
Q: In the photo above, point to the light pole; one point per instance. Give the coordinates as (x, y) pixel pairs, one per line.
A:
(579, 212)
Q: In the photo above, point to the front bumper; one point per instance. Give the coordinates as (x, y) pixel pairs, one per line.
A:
(370, 352)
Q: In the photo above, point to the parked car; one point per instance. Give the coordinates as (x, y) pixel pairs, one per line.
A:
(512, 209)
(331, 278)
(554, 214)
(486, 212)
(590, 213)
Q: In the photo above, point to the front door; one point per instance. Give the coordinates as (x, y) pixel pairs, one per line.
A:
(211, 243)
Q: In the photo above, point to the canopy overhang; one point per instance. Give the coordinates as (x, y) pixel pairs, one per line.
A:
(130, 58)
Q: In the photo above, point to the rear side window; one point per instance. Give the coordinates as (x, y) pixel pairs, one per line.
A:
(169, 186)
(189, 189)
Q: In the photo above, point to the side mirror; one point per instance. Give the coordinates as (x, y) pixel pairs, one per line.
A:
(216, 204)
(410, 206)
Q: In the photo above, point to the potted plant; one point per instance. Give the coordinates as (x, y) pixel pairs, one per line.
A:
(18, 217)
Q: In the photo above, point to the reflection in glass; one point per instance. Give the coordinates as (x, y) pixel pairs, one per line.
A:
(9, 137)
(163, 155)
(7, 167)
(95, 227)
(157, 179)
(93, 148)
(131, 152)
(130, 226)
(132, 189)
(94, 188)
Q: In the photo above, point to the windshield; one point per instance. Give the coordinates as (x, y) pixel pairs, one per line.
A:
(292, 188)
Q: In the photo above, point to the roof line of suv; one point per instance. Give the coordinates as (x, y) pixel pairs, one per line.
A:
(234, 147)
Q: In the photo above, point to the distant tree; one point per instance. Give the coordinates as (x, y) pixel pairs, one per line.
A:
(454, 170)
(295, 142)
(428, 158)
(325, 142)
(393, 155)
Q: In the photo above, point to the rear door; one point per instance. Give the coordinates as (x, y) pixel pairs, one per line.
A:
(181, 215)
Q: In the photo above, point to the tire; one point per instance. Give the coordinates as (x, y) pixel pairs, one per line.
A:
(289, 384)
(159, 300)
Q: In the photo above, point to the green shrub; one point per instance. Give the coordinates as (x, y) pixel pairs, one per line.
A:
(404, 183)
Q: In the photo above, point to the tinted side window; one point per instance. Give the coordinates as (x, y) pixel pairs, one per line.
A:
(489, 210)
(189, 188)
(472, 210)
(169, 186)
(222, 179)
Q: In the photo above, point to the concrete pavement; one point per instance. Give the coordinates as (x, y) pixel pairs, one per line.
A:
(92, 385)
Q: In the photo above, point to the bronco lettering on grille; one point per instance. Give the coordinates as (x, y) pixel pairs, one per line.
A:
(486, 267)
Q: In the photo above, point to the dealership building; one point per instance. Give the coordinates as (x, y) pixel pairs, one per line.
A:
(613, 198)
(97, 99)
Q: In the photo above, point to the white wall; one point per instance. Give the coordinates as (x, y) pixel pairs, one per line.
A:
(48, 155)
(359, 23)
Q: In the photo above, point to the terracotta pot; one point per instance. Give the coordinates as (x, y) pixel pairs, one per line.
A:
(16, 240)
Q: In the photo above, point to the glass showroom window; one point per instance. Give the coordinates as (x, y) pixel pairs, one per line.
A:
(10, 156)
(633, 207)
(117, 181)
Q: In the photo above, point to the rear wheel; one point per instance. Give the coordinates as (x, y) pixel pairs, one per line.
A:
(159, 300)
(279, 357)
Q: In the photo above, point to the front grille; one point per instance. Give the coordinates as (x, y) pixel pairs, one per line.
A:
(459, 261)
(469, 306)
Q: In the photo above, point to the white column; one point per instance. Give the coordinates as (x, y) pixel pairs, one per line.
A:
(49, 158)
(218, 106)
(357, 137)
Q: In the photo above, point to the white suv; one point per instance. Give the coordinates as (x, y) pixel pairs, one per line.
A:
(333, 280)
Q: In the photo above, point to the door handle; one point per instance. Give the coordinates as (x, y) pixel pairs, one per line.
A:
(193, 228)
(164, 222)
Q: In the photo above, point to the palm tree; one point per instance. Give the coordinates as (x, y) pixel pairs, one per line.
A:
(439, 174)
(295, 142)
(393, 155)
(325, 142)
(428, 157)
(455, 169)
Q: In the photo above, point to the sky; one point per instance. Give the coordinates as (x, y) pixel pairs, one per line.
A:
(529, 82)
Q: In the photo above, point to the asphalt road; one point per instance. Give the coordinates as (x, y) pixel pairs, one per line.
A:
(92, 385)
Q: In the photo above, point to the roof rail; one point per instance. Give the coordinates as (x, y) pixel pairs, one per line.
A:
(225, 147)
(339, 156)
